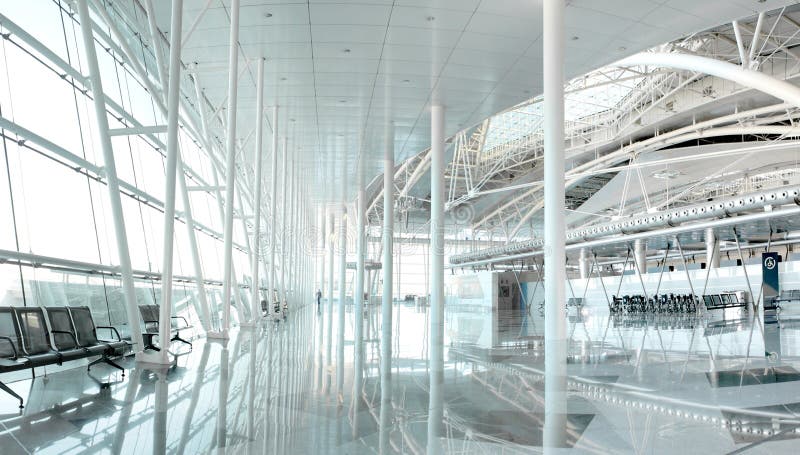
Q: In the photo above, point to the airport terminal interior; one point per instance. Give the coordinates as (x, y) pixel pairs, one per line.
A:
(399, 226)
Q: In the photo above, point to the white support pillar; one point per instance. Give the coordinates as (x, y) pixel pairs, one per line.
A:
(284, 256)
(436, 335)
(110, 167)
(230, 171)
(554, 228)
(712, 249)
(255, 299)
(386, 304)
(358, 290)
(583, 264)
(640, 254)
(330, 222)
(173, 152)
(342, 289)
(273, 195)
(320, 257)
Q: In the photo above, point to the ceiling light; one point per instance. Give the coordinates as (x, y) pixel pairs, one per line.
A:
(267, 15)
(406, 81)
(291, 120)
(623, 48)
(430, 18)
(575, 38)
(342, 101)
(283, 78)
(346, 51)
(666, 174)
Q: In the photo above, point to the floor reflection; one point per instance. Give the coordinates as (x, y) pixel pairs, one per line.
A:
(716, 383)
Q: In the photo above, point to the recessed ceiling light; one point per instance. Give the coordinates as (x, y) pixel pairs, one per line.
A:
(267, 15)
(406, 81)
(575, 38)
(623, 48)
(346, 51)
(283, 78)
(430, 18)
(342, 101)
(666, 174)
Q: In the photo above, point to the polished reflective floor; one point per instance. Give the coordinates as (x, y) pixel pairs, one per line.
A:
(719, 383)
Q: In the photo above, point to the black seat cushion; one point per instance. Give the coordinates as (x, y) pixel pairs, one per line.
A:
(60, 321)
(35, 335)
(8, 328)
(87, 332)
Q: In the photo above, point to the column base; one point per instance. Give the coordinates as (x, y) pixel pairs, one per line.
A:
(218, 335)
(158, 359)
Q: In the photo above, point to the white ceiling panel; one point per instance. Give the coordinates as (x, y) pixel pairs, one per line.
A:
(339, 67)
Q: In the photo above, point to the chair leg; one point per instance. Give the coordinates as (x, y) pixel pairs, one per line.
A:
(6, 389)
(94, 362)
(177, 337)
(113, 364)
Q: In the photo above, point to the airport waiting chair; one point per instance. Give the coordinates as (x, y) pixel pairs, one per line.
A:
(150, 317)
(86, 332)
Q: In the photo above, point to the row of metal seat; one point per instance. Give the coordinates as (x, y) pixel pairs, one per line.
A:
(27, 342)
(722, 301)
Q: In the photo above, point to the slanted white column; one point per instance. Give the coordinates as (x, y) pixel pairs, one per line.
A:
(230, 171)
(555, 275)
(110, 167)
(173, 93)
(436, 335)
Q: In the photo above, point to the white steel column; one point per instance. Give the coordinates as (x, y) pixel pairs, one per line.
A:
(192, 234)
(640, 254)
(330, 222)
(712, 249)
(386, 304)
(273, 195)
(320, 257)
(173, 94)
(436, 335)
(358, 290)
(554, 233)
(230, 170)
(110, 167)
(255, 299)
(282, 296)
(342, 288)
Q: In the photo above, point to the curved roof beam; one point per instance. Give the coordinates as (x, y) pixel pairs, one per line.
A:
(749, 78)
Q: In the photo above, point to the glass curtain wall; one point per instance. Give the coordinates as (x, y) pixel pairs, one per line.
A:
(56, 205)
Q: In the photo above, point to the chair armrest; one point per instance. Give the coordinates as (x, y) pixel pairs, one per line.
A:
(112, 329)
(13, 348)
(77, 345)
(185, 322)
